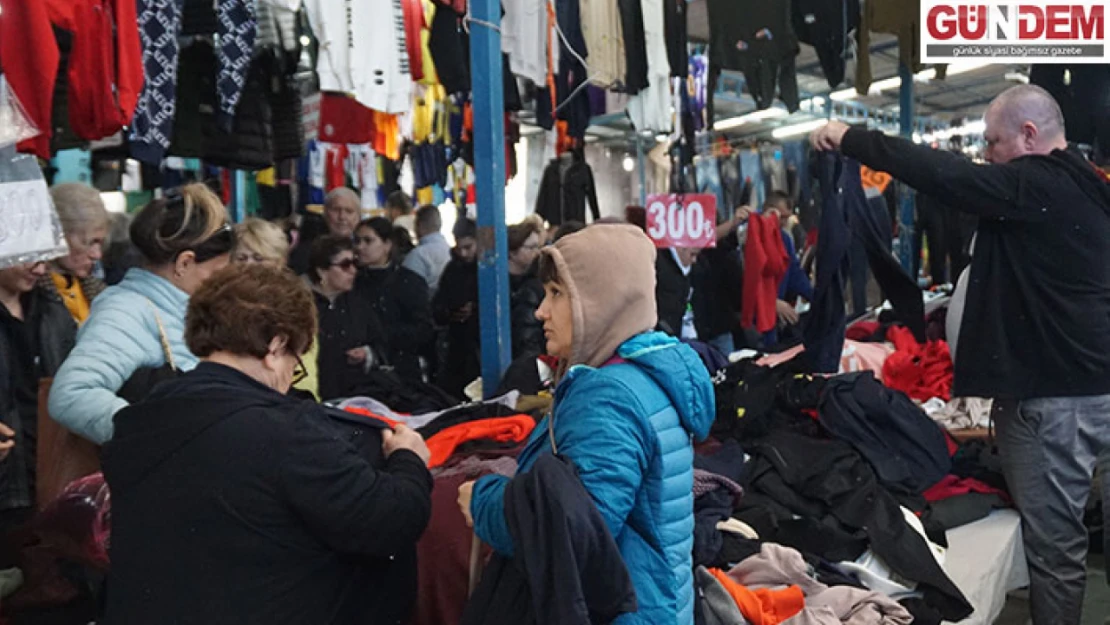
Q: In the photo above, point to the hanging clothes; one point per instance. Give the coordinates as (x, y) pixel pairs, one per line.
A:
(756, 37)
(827, 27)
(896, 17)
(568, 183)
(674, 25)
(601, 29)
(29, 60)
(151, 129)
(635, 45)
(363, 51)
(650, 109)
(236, 33)
(413, 14)
(765, 264)
(450, 48)
(524, 37)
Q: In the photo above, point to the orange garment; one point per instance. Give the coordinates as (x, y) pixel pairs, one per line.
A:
(502, 429)
(763, 606)
(366, 413)
(72, 296)
(387, 135)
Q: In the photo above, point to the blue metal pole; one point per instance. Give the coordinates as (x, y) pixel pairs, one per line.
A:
(238, 207)
(489, 173)
(906, 195)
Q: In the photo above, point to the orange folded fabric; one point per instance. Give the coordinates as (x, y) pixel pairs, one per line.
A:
(763, 606)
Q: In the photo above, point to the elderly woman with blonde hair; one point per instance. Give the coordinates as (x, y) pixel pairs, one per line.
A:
(85, 224)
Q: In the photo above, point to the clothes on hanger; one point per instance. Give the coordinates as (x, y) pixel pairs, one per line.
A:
(524, 38)
(567, 185)
(601, 27)
(828, 26)
(650, 109)
(757, 38)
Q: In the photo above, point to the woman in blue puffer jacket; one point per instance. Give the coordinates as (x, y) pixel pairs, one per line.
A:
(628, 405)
(137, 327)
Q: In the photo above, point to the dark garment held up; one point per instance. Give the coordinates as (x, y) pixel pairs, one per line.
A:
(1035, 323)
(567, 569)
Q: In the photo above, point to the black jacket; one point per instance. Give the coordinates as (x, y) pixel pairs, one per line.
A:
(1037, 318)
(232, 503)
(525, 296)
(346, 323)
(462, 363)
(400, 298)
(566, 569)
(564, 191)
(672, 293)
(718, 280)
(30, 349)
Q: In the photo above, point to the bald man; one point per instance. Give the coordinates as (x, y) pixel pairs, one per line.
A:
(1035, 333)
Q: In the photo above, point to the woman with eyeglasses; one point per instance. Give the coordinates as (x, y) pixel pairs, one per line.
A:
(352, 339)
(134, 336)
(525, 289)
(85, 223)
(233, 502)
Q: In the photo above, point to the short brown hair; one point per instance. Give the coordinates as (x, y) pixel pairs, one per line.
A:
(548, 272)
(323, 251)
(519, 233)
(242, 308)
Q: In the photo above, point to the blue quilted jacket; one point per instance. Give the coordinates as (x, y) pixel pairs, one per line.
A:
(628, 429)
(120, 337)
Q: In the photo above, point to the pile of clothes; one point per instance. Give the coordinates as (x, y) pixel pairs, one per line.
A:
(827, 500)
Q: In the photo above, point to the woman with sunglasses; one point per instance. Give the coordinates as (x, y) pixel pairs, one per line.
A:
(352, 339)
(233, 502)
(134, 336)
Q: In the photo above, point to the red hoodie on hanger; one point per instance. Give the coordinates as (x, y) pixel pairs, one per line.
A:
(29, 60)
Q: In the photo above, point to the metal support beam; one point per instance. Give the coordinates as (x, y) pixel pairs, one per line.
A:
(238, 208)
(906, 196)
(489, 174)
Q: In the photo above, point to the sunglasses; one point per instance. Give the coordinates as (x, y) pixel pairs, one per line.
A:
(346, 264)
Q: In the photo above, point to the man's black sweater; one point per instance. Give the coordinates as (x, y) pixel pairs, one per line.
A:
(1037, 319)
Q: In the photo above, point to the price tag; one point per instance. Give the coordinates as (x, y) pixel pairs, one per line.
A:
(874, 179)
(27, 222)
(682, 220)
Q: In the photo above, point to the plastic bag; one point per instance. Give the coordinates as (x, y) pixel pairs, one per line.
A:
(15, 126)
(29, 227)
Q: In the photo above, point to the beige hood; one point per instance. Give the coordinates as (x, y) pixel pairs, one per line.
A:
(609, 272)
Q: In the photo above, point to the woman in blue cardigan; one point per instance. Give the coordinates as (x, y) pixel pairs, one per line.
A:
(135, 332)
(628, 406)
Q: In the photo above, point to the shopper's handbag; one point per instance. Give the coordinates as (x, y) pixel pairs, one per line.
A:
(62, 455)
(139, 385)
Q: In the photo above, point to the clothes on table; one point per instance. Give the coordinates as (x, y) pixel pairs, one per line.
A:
(556, 527)
(502, 429)
(907, 449)
(855, 357)
(964, 413)
(705, 482)
(1030, 209)
(718, 606)
(921, 371)
(495, 407)
(954, 486)
(762, 606)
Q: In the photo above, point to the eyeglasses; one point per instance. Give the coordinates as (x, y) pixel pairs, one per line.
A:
(299, 372)
(346, 264)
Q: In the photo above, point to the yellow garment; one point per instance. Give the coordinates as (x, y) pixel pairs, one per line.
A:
(425, 196)
(267, 177)
(72, 296)
(429, 115)
(311, 382)
(430, 75)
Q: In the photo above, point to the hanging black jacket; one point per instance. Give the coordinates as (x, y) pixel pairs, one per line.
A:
(635, 46)
(568, 183)
(525, 296)
(825, 26)
(756, 37)
(566, 569)
(400, 299)
(672, 293)
(232, 503)
(1035, 322)
(718, 281)
(348, 322)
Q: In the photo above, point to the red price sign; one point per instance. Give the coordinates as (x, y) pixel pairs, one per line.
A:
(682, 220)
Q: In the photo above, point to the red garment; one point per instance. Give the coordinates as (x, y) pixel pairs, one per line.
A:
(501, 429)
(763, 606)
(335, 168)
(413, 11)
(920, 371)
(105, 67)
(861, 331)
(954, 486)
(29, 60)
(366, 413)
(765, 263)
(344, 120)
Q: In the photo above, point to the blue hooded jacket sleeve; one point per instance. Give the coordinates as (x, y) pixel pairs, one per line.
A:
(600, 431)
(795, 283)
